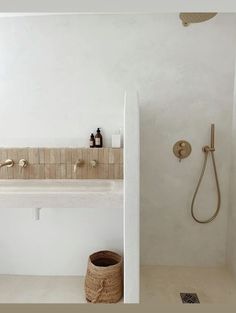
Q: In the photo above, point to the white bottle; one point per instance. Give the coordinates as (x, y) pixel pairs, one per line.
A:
(116, 140)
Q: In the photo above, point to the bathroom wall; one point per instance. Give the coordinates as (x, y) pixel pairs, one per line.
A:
(231, 248)
(191, 86)
(55, 90)
(61, 76)
(55, 82)
(59, 243)
(58, 163)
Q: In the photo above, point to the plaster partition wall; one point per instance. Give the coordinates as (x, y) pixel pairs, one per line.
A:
(231, 248)
(131, 198)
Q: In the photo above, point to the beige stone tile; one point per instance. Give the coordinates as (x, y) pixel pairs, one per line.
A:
(63, 174)
(106, 155)
(111, 171)
(47, 155)
(79, 173)
(47, 171)
(24, 173)
(85, 155)
(101, 156)
(33, 155)
(17, 172)
(10, 172)
(68, 171)
(117, 171)
(76, 154)
(58, 171)
(41, 171)
(74, 172)
(41, 155)
(84, 172)
(22, 153)
(121, 156)
(103, 171)
(111, 157)
(90, 154)
(106, 171)
(114, 156)
(121, 169)
(3, 173)
(52, 171)
(93, 154)
(109, 163)
(92, 172)
(68, 155)
(36, 171)
(63, 155)
(54, 156)
(12, 154)
(3, 154)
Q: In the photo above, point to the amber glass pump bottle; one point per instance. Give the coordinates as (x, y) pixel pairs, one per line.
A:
(92, 141)
(98, 139)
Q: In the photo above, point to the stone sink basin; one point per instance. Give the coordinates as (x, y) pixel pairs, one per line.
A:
(69, 193)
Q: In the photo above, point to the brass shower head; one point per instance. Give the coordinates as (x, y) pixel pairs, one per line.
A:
(195, 17)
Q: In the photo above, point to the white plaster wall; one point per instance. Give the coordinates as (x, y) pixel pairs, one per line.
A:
(59, 243)
(70, 77)
(131, 198)
(231, 247)
(55, 81)
(191, 87)
(55, 89)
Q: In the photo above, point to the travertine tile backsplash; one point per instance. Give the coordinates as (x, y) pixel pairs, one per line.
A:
(58, 163)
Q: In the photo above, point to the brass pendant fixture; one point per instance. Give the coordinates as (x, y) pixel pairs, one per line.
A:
(195, 17)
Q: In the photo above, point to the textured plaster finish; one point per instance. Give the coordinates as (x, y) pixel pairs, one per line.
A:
(231, 247)
(73, 64)
(188, 85)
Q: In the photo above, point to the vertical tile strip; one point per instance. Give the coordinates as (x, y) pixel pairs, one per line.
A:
(58, 163)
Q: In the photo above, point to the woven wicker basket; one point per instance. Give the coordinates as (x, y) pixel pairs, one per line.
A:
(104, 281)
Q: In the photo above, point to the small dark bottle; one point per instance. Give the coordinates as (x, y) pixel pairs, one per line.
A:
(98, 139)
(92, 141)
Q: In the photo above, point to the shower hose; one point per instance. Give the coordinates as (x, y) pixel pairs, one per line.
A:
(207, 150)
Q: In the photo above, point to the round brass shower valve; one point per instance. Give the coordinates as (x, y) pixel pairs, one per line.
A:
(182, 149)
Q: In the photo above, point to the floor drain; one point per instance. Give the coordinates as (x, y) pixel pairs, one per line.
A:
(189, 298)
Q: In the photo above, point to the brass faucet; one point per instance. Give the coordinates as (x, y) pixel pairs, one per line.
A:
(78, 163)
(7, 163)
(93, 163)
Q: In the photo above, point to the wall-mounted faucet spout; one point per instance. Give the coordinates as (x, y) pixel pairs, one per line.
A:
(7, 163)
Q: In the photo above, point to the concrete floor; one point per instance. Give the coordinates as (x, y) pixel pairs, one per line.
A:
(41, 289)
(159, 284)
(163, 284)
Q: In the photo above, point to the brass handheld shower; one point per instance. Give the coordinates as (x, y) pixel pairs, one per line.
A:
(207, 150)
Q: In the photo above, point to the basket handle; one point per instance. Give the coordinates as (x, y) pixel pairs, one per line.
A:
(99, 291)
